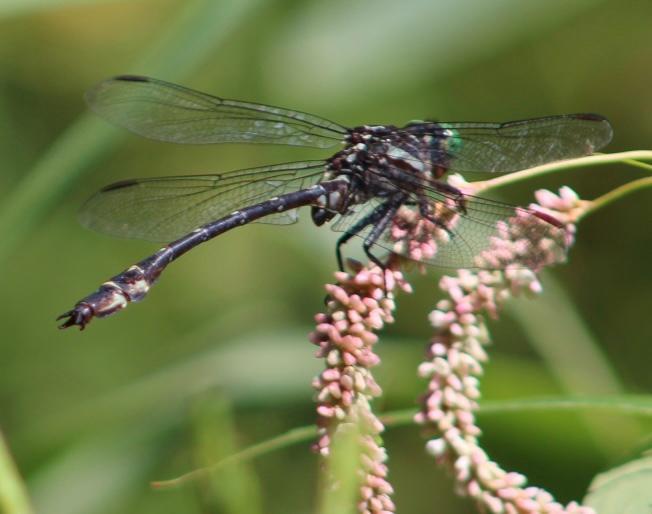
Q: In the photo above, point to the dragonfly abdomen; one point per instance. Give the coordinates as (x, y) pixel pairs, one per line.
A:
(133, 284)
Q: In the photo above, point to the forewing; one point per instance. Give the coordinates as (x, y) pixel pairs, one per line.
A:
(168, 112)
(166, 208)
(517, 145)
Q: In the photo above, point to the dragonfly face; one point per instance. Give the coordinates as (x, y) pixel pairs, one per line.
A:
(379, 170)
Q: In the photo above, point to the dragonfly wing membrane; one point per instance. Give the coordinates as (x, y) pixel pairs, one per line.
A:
(165, 208)
(169, 112)
(518, 145)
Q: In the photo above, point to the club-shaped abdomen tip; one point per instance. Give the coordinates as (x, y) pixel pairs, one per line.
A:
(80, 316)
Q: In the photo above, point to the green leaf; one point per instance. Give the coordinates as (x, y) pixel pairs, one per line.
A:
(340, 484)
(623, 490)
(13, 494)
(232, 491)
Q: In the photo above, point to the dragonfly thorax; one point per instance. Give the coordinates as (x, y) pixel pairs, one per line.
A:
(380, 161)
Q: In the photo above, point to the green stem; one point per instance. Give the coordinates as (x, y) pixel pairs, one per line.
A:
(296, 435)
(638, 164)
(632, 158)
(631, 404)
(614, 195)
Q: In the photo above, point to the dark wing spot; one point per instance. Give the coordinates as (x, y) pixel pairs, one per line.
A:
(119, 185)
(132, 78)
(589, 116)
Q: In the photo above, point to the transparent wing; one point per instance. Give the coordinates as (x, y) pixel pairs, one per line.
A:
(475, 239)
(166, 208)
(479, 237)
(168, 112)
(516, 145)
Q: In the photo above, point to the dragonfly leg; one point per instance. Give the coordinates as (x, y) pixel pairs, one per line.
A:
(391, 207)
(380, 218)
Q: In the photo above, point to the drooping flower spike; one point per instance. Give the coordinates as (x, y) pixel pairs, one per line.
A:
(361, 303)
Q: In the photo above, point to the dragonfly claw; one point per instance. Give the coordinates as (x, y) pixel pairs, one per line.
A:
(81, 315)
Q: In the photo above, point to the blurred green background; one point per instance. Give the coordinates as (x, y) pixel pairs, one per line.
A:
(217, 357)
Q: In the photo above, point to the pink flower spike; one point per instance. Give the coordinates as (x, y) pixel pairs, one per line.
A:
(360, 304)
(548, 199)
(326, 411)
(517, 251)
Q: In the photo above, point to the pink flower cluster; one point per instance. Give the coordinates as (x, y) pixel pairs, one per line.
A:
(359, 305)
(419, 238)
(520, 248)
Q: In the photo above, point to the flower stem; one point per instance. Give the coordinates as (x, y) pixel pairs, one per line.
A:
(639, 164)
(294, 436)
(635, 405)
(632, 158)
(614, 195)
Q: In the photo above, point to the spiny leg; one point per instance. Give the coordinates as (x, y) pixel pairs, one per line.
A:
(391, 207)
(377, 217)
(358, 227)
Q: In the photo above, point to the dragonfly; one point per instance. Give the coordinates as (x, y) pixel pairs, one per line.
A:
(377, 171)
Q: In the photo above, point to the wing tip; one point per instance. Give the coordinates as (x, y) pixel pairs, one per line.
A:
(606, 124)
(591, 116)
(94, 94)
(606, 130)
